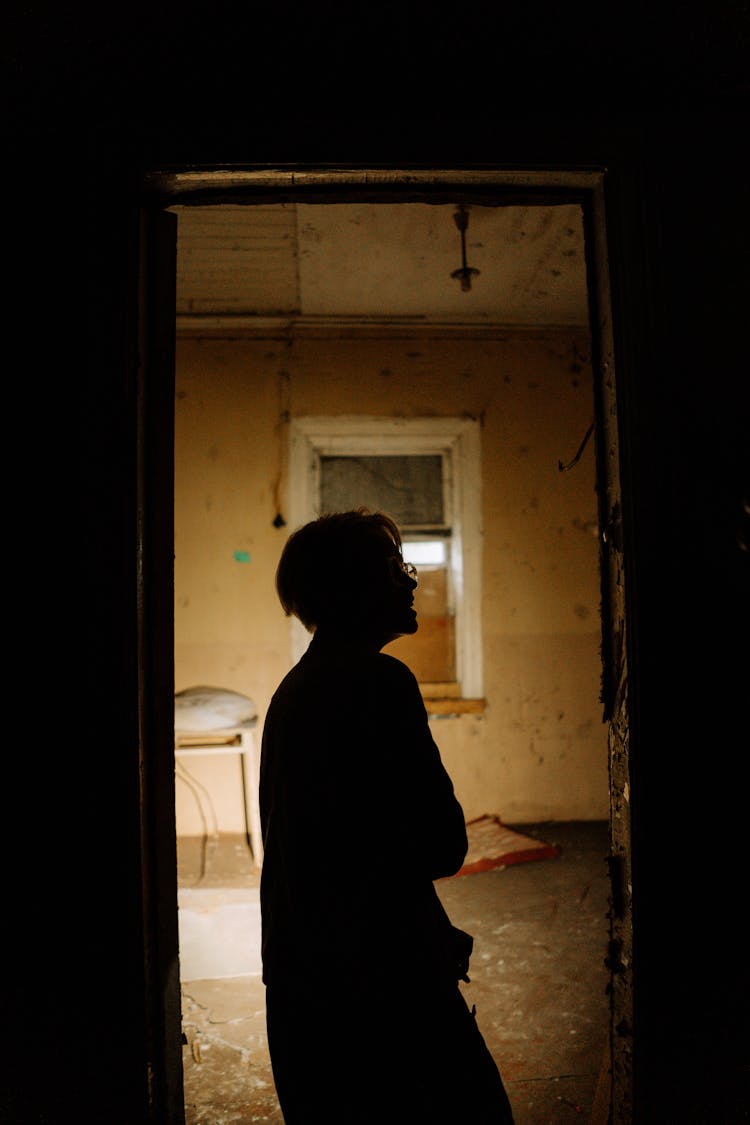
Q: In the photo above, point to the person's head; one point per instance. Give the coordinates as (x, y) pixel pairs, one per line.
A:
(345, 571)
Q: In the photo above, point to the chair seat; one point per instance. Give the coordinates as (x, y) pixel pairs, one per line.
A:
(204, 709)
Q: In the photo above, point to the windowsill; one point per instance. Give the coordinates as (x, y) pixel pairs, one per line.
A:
(447, 705)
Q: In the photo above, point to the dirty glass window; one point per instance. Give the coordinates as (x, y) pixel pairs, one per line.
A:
(414, 489)
(410, 488)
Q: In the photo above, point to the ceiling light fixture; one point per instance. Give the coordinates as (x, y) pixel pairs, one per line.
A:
(465, 273)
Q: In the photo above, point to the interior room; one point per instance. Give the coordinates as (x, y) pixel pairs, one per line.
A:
(433, 360)
(110, 111)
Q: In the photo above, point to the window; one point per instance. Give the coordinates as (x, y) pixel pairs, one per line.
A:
(425, 473)
(415, 489)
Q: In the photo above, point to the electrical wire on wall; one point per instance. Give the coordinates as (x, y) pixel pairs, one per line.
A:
(565, 468)
(281, 428)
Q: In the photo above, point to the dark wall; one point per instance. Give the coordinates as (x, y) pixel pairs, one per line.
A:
(658, 101)
(689, 460)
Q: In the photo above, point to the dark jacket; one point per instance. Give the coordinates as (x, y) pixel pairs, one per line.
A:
(359, 817)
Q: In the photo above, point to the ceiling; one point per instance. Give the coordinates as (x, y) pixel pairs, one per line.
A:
(375, 262)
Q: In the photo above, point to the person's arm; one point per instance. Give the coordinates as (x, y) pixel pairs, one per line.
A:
(433, 820)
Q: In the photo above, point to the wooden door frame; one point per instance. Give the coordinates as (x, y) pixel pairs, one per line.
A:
(587, 186)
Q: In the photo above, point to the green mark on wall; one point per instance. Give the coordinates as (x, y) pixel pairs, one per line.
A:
(242, 556)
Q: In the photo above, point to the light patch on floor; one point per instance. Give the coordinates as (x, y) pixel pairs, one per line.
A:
(538, 979)
(219, 933)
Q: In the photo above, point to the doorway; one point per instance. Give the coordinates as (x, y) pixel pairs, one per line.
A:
(477, 194)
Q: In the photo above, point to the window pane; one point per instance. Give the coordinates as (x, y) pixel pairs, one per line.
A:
(424, 552)
(410, 488)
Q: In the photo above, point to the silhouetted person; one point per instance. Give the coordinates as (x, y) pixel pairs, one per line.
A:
(366, 1022)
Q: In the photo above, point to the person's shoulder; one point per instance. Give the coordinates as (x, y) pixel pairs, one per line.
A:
(395, 670)
(293, 682)
(396, 682)
(392, 662)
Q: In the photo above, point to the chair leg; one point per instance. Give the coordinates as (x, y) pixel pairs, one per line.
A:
(250, 779)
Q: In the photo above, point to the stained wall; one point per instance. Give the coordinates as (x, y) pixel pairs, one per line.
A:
(538, 751)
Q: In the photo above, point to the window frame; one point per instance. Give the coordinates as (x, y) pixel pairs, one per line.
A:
(314, 436)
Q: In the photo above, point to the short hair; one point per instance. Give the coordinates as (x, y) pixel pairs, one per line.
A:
(325, 564)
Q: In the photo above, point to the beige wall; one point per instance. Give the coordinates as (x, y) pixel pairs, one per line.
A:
(539, 750)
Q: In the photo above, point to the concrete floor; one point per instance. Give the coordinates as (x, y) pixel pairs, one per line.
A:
(538, 979)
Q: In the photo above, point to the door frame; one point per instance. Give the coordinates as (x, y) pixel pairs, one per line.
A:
(485, 186)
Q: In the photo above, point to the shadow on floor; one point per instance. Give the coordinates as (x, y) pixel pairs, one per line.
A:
(538, 978)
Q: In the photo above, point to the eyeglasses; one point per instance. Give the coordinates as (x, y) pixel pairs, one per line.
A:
(399, 568)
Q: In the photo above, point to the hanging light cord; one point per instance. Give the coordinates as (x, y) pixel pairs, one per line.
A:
(465, 273)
